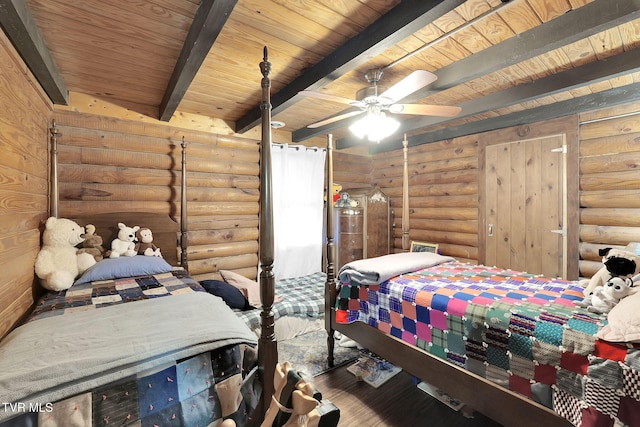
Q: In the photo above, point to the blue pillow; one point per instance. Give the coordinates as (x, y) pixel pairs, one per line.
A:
(229, 293)
(129, 266)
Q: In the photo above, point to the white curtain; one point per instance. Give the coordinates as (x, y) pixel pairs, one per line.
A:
(298, 191)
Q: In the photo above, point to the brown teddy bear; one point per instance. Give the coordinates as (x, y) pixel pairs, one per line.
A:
(92, 244)
(145, 245)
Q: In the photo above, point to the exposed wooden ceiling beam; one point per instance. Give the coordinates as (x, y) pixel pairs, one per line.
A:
(590, 19)
(593, 72)
(19, 26)
(590, 73)
(608, 98)
(585, 21)
(400, 22)
(207, 24)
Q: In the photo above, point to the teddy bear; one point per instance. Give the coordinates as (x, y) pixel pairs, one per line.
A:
(335, 195)
(605, 297)
(337, 188)
(616, 262)
(124, 244)
(145, 245)
(58, 263)
(92, 243)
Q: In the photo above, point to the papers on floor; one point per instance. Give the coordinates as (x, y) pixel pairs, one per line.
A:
(372, 369)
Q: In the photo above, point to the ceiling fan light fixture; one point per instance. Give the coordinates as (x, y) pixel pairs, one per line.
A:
(374, 126)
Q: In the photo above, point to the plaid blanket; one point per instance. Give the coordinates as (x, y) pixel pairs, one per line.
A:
(104, 293)
(303, 297)
(521, 331)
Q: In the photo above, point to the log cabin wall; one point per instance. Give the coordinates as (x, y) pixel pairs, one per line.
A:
(110, 164)
(443, 187)
(352, 170)
(443, 194)
(609, 182)
(25, 114)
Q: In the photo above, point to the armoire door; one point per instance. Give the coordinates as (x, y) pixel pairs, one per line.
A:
(377, 220)
(525, 194)
(348, 235)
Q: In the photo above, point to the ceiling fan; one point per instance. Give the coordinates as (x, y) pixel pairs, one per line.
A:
(370, 101)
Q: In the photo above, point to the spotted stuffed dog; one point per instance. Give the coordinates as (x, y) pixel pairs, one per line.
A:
(604, 298)
(617, 263)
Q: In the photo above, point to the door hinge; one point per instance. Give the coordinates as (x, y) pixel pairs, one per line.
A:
(562, 149)
(562, 231)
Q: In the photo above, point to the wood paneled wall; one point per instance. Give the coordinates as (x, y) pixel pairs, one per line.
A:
(25, 114)
(609, 182)
(108, 164)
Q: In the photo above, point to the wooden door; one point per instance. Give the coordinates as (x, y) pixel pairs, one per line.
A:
(525, 205)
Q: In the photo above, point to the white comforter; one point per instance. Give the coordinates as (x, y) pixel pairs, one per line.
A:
(373, 271)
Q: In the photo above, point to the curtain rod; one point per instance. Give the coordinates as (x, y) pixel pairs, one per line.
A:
(297, 147)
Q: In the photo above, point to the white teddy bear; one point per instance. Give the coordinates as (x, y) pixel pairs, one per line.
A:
(124, 244)
(57, 264)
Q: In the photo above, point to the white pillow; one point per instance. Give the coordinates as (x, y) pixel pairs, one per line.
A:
(624, 321)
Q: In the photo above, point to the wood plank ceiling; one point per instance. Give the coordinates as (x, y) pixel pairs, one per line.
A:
(504, 62)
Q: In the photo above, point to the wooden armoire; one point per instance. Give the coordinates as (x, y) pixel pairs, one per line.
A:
(364, 231)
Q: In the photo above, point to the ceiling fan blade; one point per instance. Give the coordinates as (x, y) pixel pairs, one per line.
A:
(334, 119)
(425, 110)
(327, 97)
(414, 81)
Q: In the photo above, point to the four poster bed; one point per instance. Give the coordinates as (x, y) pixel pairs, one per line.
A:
(509, 344)
(136, 339)
(489, 348)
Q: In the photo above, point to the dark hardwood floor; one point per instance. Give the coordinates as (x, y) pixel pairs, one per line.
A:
(397, 403)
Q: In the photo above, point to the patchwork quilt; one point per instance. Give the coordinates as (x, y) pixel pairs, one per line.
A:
(103, 293)
(147, 350)
(521, 331)
(302, 297)
(198, 391)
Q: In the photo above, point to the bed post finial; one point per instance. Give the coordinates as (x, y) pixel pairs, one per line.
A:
(183, 209)
(330, 287)
(53, 206)
(405, 195)
(268, 354)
